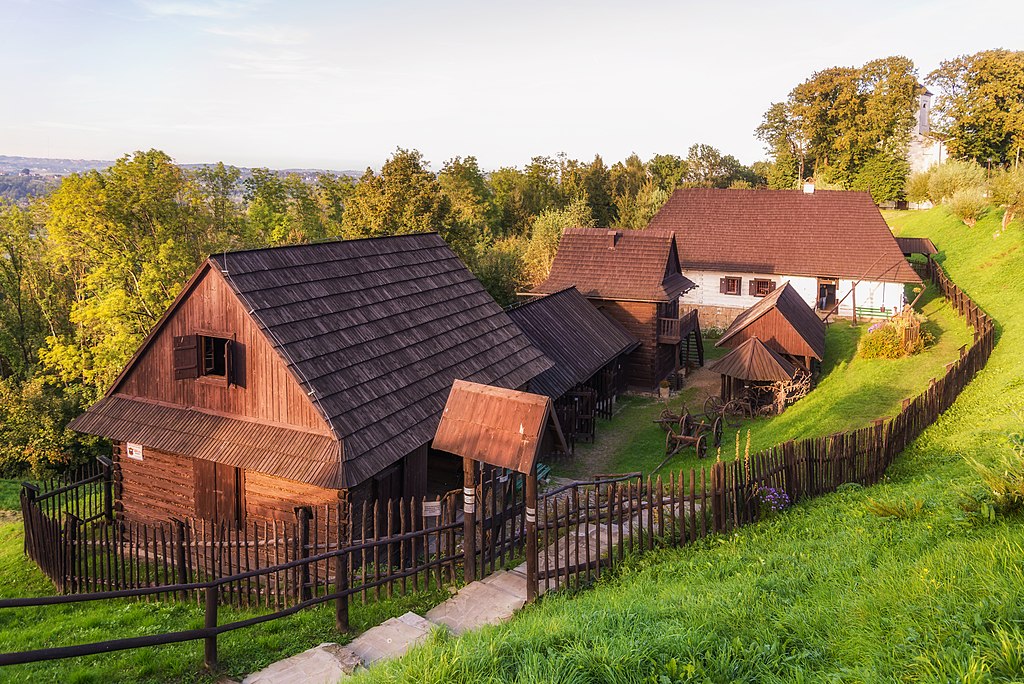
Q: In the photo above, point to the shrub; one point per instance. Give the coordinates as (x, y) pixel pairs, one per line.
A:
(969, 205)
(890, 340)
(1004, 481)
(772, 500)
(917, 187)
(946, 180)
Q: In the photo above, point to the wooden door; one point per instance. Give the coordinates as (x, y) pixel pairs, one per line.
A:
(219, 492)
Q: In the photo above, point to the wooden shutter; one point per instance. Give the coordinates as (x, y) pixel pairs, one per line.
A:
(236, 369)
(186, 357)
(753, 287)
(228, 369)
(723, 285)
(771, 286)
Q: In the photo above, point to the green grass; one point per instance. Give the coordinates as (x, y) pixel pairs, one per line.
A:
(9, 495)
(241, 651)
(829, 591)
(851, 393)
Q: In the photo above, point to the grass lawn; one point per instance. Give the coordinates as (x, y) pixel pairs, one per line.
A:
(850, 394)
(241, 652)
(829, 591)
(10, 490)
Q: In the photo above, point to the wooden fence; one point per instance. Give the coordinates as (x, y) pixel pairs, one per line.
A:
(587, 526)
(583, 528)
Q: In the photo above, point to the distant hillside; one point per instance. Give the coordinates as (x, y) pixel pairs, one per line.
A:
(22, 178)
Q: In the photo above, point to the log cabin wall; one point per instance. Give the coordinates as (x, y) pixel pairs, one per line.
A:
(267, 390)
(645, 367)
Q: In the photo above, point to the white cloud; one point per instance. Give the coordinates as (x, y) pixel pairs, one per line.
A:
(263, 35)
(211, 9)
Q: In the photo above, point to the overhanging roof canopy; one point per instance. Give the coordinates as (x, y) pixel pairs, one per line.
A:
(752, 360)
(502, 427)
(794, 311)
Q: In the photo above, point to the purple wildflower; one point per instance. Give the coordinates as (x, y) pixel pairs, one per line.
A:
(772, 499)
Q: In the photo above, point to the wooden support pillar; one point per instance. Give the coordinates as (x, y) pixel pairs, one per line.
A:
(469, 518)
(853, 301)
(532, 581)
(210, 622)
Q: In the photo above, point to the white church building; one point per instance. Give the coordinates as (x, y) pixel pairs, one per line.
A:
(833, 247)
(925, 150)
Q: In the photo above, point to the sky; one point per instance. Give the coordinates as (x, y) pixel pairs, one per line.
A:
(340, 85)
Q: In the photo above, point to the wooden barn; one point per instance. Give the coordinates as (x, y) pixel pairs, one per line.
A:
(284, 377)
(783, 322)
(832, 246)
(589, 351)
(634, 278)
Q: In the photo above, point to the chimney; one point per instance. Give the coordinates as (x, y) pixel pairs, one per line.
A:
(613, 236)
(809, 186)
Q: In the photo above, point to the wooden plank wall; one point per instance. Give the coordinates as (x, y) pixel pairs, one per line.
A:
(641, 320)
(270, 392)
(775, 331)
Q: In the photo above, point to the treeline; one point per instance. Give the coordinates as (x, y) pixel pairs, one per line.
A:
(86, 271)
(850, 127)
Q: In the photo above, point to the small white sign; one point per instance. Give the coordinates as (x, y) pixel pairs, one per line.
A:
(135, 451)
(431, 509)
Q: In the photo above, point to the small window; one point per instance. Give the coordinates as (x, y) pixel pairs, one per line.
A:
(214, 356)
(730, 286)
(760, 287)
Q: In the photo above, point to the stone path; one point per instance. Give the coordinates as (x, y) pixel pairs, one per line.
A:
(489, 601)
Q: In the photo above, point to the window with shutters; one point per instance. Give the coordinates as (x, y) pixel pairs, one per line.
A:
(214, 355)
(760, 287)
(209, 356)
(730, 286)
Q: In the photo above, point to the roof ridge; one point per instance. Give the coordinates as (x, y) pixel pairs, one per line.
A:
(321, 242)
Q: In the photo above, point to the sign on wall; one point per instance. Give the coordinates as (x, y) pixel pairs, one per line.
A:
(431, 509)
(134, 451)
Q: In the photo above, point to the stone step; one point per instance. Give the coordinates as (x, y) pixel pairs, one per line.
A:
(325, 664)
(511, 581)
(391, 638)
(477, 604)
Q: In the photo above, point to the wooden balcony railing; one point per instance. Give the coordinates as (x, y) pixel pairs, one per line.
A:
(675, 330)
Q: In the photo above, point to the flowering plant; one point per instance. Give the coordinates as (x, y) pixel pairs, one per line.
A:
(772, 500)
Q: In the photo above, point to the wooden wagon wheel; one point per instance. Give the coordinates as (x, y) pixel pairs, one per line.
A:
(713, 407)
(735, 411)
(716, 431)
(686, 424)
(670, 445)
(701, 446)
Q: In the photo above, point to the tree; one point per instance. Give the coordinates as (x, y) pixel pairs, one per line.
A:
(627, 177)
(884, 175)
(22, 277)
(1007, 188)
(637, 211)
(501, 269)
(946, 180)
(546, 233)
(465, 186)
(668, 171)
(917, 187)
(968, 205)
(981, 105)
(127, 239)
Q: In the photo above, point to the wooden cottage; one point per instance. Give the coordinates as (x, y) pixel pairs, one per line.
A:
(283, 377)
(589, 351)
(633, 277)
(833, 247)
(783, 322)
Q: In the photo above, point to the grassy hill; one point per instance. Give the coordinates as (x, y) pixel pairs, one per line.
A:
(897, 582)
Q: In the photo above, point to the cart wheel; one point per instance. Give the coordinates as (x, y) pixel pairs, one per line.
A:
(702, 446)
(669, 442)
(735, 411)
(713, 407)
(686, 424)
(716, 430)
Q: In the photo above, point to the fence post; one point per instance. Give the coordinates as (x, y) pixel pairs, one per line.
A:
(532, 582)
(304, 514)
(179, 557)
(108, 486)
(210, 622)
(469, 518)
(28, 500)
(341, 589)
(71, 535)
(717, 495)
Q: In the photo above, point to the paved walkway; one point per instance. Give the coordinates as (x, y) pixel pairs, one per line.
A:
(489, 601)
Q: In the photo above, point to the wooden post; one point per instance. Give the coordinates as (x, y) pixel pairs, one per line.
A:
(853, 301)
(108, 487)
(303, 513)
(717, 499)
(340, 588)
(532, 583)
(469, 518)
(210, 622)
(179, 552)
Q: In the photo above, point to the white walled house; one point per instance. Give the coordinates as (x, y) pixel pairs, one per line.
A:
(739, 245)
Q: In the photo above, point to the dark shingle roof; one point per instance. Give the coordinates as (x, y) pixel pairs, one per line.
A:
(793, 309)
(752, 360)
(574, 334)
(377, 330)
(617, 264)
(784, 232)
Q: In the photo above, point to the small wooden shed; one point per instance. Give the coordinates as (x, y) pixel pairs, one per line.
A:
(749, 364)
(589, 350)
(783, 322)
